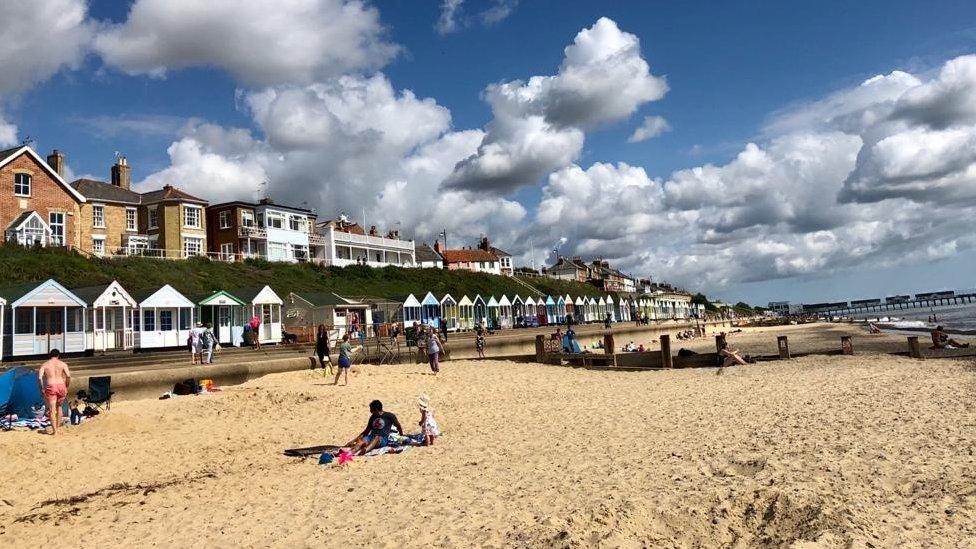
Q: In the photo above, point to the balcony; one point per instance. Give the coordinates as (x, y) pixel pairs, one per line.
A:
(345, 239)
(252, 232)
(315, 239)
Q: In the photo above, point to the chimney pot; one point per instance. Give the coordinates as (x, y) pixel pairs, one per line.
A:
(121, 176)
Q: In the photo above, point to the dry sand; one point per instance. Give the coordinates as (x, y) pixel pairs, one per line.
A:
(866, 451)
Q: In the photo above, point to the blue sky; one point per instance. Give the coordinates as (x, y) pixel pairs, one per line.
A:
(734, 72)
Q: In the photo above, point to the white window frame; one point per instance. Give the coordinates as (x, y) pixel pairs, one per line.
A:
(98, 245)
(299, 223)
(224, 219)
(135, 219)
(227, 251)
(196, 240)
(268, 216)
(98, 216)
(30, 184)
(247, 218)
(56, 239)
(153, 217)
(199, 217)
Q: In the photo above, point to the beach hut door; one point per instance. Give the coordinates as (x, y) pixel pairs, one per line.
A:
(223, 324)
(50, 330)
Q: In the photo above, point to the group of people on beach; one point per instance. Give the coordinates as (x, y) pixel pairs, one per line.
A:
(202, 343)
(383, 429)
(343, 347)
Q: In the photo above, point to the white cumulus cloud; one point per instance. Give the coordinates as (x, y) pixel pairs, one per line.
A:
(651, 127)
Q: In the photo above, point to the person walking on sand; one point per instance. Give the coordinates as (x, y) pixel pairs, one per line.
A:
(322, 348)
(207, 342)
(54, 379)
(479, 341)
(434, 352)
(443, 324)
(345, 360)
(195, 340)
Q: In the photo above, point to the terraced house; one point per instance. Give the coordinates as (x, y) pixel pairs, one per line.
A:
(174, 223)
(109, 221)
(37, 207)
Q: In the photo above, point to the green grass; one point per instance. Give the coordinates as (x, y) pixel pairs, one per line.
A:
(199, 275)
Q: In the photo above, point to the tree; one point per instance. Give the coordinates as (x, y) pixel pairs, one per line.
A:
(700, 299)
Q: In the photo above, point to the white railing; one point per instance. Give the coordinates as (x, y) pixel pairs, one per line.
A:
(343, 238)
(340, 262)
(252, 232)
(315, 239)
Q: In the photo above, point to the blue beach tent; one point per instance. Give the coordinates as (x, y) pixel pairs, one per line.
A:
(19, 392)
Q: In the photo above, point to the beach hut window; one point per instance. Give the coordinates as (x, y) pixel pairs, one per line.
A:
(148, 321)
(75, 320)
(165, 320)
(184, 319)
(135, 320)
(25, 321)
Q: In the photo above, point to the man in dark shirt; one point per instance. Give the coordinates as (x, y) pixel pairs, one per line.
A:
(377, 430)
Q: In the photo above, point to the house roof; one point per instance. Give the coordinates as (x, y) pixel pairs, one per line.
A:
(204, 299)
(106, 192)
(424, 253)
(468, 256)
(23, 217)
(327, 299)
(9, 154)
(499, 252)
(170, 193)
(89, 294)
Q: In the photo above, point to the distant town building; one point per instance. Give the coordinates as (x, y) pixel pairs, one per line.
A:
(346, 243)
(427, 258)
(469, 259)
(505, 265)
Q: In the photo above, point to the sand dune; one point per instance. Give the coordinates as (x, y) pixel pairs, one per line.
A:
(837, 451)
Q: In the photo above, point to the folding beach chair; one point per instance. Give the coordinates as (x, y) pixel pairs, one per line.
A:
(99, 392)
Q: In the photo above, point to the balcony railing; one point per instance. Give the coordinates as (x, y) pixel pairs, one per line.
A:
(315, 239)
(252, 232)
(343, 238)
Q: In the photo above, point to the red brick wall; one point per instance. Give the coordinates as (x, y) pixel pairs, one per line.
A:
(46, 196)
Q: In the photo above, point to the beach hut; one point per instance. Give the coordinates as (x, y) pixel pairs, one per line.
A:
(480, 310)
(109, 316)
(570, 308)
(541, 314)
(224, 312)
(411, 310)
(449, 311)
(623, 308)
(264, 303)
(465, 313)
(579, 307)
(594, 307)
(304, 311)
(612, 309)
(518, 310)
(601, 309)
(43, 316)
(530, 310)
(430, 311)
(550, 310)
(561, 310)
(164, 318)
(505, 312)
(493, 312)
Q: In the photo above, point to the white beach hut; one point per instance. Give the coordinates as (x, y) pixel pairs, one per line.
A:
(164, 318)
(505, 312)
(530, 316)
(411, 310)
(109, 316)
(518, 310)
(492, 308)
(581, 314)
(264, 303)
(43, 316)
(480, 310)
(224, 311)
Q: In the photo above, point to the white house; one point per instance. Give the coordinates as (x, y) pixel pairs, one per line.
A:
(289, 231)
(164, 318)
(110, 316)
(41, 317)
(346, 243)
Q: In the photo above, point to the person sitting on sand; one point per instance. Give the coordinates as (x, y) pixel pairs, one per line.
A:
(941, 340)
(377, 431)
(873, 328)
(730, 356)
(428, 425)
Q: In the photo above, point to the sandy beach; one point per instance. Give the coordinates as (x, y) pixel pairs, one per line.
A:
(869, 451)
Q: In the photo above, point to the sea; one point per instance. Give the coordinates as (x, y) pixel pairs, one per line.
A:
(960, 318)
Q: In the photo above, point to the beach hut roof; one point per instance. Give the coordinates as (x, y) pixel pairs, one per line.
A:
(517, 299)
(258, 295)
(220, 297)
(550, 300)
(429, 299)
(40, 294)
(411, 301)
(560, 301)
(504, 302)
(609, 300)
(492, 302)
(167, 296)
(478, 298)
(326, 299)
(580, 300)
(465, 300)
(447, 299)
(601, 301)
(105, 295)
(530, 301)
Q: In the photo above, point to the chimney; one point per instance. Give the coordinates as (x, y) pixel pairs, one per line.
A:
(120, 174)
(437, 246)
(485, 245)
(56, 161)
(266, 201)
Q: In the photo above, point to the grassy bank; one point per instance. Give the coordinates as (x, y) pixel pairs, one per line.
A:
(199, 275)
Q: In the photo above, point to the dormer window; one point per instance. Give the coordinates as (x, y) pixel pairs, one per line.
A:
(22, 184)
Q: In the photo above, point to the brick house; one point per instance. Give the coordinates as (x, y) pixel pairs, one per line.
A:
(109, 221)
(239, 230)
(36, 205)
(468, 259)
(174, 222)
